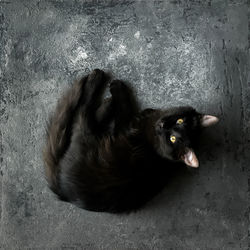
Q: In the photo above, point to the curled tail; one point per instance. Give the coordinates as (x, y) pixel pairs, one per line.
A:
(59, 131)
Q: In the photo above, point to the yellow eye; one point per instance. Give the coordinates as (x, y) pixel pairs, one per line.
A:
(179, 121)
(172, 138)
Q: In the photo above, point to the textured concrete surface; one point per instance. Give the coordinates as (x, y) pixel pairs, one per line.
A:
(173, 52)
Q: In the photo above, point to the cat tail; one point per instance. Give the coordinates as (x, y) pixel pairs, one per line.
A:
(59, 132)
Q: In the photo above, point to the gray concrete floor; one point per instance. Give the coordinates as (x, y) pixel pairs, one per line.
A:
(173, 52)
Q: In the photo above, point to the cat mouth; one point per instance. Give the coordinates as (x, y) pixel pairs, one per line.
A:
(190, 158)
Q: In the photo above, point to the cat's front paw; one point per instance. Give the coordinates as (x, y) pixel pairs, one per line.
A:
(96, 74)
(117, 87)
(95, 77)
(116, 84)
(96, 81)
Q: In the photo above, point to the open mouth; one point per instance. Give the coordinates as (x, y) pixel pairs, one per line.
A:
(190, 158)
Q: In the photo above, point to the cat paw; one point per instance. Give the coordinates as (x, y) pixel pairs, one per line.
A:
(96, 73)
(117, 86)
(96, 80)
(93, 77)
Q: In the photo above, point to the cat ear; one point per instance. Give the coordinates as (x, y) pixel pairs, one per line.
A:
(190, 158)
(208, 120)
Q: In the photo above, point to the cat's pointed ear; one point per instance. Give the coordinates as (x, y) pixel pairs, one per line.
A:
(190, 158)
(208, 120)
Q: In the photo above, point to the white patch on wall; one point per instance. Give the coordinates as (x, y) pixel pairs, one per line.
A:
(65, 43)
(188, 75)
(137, 35)
(49, 15)
(118, 51)
(122, 50)
(8, 48)
(149, 45)
(80, 55)
(73, 27)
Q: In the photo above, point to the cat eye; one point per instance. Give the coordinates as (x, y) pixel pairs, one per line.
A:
(172, 138)
(179, 121)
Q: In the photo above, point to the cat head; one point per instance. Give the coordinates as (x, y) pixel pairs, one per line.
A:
(176, 132)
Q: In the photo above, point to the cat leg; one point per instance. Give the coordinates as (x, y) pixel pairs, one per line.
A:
(124, 105)
(70, 125)
(59, 131)
(98, 114)
(105, 115)
(115, 113)
(92, 101)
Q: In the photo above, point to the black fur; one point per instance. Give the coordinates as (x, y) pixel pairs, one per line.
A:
(106, 155)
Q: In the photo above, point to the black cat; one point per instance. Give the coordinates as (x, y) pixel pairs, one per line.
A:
(105, 155)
